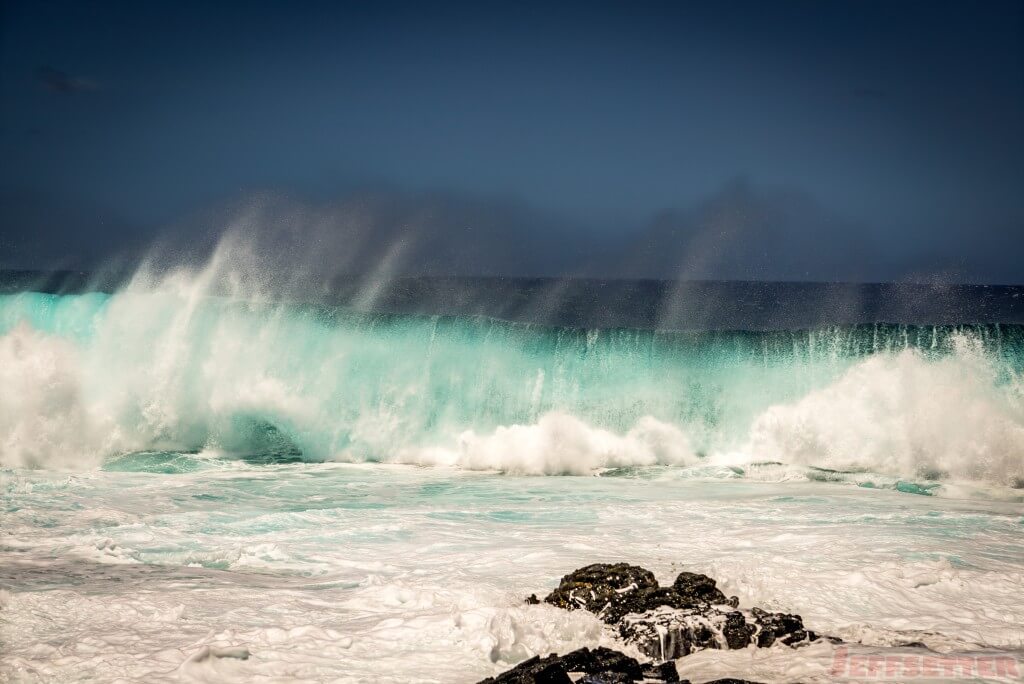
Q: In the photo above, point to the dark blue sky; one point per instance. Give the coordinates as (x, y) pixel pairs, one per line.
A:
(779, 140)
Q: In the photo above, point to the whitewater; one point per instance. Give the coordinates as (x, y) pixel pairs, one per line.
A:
(204, 483)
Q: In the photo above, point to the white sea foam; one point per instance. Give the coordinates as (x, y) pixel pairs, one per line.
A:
(44, 419)
(393, 574)
(903, 414)
(561, 444)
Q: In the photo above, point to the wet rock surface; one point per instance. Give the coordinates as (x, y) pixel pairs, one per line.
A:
(607, 590)
(593, 666)
(670, 622)
(611, 591)
(605, 663)
(663, 623)
(668, 633)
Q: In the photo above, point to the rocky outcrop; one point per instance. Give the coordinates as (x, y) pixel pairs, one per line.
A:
(593, 666)
(612, 665)
(611, 591)
(668, 633)
(663, 623)
(670, 622)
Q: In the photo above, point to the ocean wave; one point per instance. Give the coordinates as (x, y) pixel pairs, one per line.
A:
(164, 366)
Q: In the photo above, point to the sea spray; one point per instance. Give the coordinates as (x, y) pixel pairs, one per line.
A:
(163, 365)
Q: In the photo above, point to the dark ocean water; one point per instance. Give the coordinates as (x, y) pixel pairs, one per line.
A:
(640, 304)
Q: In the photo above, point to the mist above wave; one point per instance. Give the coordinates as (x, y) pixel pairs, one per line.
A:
(195, 360)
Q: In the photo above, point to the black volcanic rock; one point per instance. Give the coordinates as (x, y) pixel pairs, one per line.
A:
(663, 623)
(667, 633)
(780, 626)
(600, 666)
(607, 678)
(607, 590)
(671, 622)
(697, 588)
(597, 666)
(736, 631)
(606, 660)
(536, 670)
(611, 591)
(664, 672)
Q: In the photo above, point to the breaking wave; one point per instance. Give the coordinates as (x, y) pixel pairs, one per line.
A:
(166, 365)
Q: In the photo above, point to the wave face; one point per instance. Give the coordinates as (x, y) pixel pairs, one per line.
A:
(167, 368)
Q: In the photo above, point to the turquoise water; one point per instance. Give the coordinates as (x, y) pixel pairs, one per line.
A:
(172, 372)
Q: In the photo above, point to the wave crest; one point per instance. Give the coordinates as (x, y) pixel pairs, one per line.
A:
(161, 368)
(950, 417)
